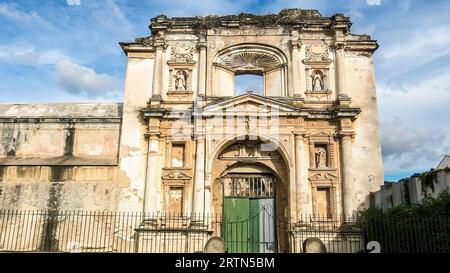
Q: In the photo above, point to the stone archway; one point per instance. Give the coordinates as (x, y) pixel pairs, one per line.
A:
(250, 58)
(245, 159)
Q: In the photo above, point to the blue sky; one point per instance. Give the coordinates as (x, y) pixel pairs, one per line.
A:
(67, 50)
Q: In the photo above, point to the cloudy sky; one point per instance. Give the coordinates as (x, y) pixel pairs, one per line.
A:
(67, 50)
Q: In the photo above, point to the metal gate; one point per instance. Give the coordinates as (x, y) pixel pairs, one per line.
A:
(249, 214)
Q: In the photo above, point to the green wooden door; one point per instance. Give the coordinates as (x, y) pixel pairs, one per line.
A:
(249, 225)
(236, 226)
(254, 220)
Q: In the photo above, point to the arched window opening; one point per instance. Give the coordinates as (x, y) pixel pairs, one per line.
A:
(249, 82)
(250, 67)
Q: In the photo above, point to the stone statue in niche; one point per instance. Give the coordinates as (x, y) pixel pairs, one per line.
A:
(317, 82)
(181, 80)
(321, 158)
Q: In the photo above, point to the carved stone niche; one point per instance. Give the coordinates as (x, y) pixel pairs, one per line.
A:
(317, 73)
(322, 153)
(180, 85)
(174, 189)
(324, 188)
(181, 65)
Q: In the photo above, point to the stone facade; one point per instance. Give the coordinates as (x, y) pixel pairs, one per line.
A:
(318, 112)
(181, 131)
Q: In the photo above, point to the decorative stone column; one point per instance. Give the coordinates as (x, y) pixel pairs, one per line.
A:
(151, 180)
(158, 70)
(302, 187)
(340, 69)
(201, 69)
(296, 73)
(199, 178)
(348, 181)
(341, 27)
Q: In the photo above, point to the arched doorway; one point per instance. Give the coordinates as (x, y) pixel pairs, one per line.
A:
(250, 191)
(249, 210)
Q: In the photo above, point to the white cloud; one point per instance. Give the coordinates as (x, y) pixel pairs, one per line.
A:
(205, 7)
(73, 2)
(84, 81)
(426, 43)
(10, 11)
(373, 2)
(29, 55)
(416, 48)
(425, 95)
(418, 134)
(411, 147)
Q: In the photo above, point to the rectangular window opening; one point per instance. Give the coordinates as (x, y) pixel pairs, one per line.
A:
(178, 155)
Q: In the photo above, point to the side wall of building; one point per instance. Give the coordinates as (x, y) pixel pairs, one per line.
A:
(410, 191)
(59, 156)
(133, 142)
(366, 162)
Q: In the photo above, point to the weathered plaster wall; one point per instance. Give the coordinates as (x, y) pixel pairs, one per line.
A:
(367, 161)
(57, 187)
(133, 145)
(59, 156)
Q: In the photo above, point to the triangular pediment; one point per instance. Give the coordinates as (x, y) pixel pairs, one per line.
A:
(249, 103)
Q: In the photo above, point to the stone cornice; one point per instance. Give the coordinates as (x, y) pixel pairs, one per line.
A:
(136, 47)
(347, 112)
(340, 22)
(364, 44)
(289, 19)
(307, 113)
(286, 17)
(58, 161)
(153, 112)
(36, 120)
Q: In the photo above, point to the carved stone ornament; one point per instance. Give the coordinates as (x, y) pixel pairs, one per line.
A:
(321, 158)
(322, 177)
(182, 54)
(176, 176)
(250, 59)
(317, 54)
(181, 78)
(318, 81)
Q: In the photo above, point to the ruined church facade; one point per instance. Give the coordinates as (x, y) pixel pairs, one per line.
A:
(313, 131)
(182, 141)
